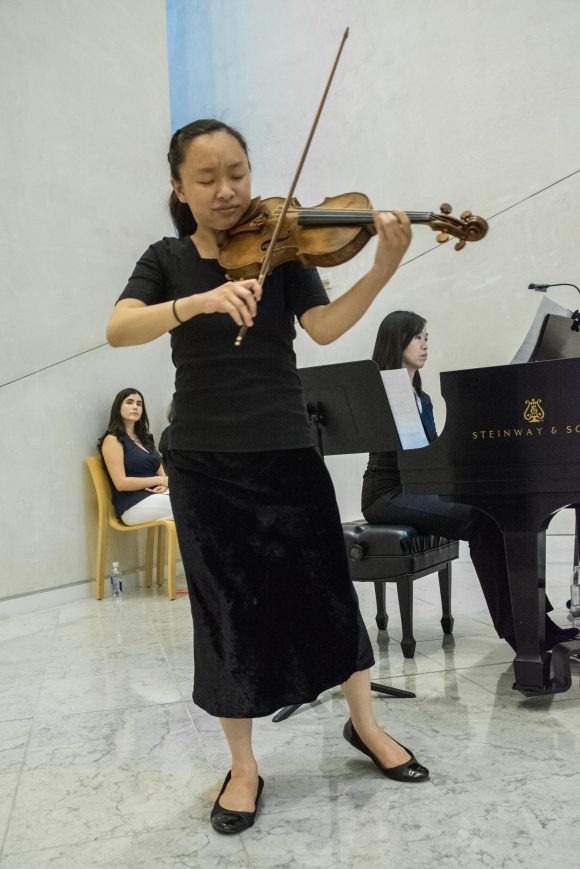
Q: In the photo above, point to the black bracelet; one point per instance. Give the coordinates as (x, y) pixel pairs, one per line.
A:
(175, 314)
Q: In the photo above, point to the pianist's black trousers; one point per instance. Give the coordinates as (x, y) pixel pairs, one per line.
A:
(430, 515)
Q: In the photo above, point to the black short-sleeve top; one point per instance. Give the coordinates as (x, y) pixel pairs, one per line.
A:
(227, 398)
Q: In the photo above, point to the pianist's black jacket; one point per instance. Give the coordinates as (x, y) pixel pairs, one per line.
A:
(382, 475)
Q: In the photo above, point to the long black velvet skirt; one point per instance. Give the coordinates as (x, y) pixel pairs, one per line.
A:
(275, 614)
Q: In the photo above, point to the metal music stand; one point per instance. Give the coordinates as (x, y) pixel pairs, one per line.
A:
(349, 411)
(348, 407)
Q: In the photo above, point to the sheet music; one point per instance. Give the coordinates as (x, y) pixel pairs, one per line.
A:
(401, 397)
(546, 306)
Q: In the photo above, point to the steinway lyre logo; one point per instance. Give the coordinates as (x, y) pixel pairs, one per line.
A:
(534, 411)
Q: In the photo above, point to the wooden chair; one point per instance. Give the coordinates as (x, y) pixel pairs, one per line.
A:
(107, 519)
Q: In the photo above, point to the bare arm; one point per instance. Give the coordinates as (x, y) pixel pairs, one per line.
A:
(115, 462)
(133, 322)
(326, 323)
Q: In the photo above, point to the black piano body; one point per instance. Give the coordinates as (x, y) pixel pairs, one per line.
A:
(510, 447)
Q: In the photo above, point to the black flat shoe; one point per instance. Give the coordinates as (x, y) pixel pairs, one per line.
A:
(228, 821)
(553, 635)
(561, 635)
(410, 771)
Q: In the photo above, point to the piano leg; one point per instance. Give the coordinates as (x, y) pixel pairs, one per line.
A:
(526, 559)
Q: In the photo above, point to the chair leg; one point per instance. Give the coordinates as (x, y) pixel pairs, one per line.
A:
(149, 545)
(405, 595)
(447, 619)
(101, 555)
(381, 617)
(160, 569)
(171, 557)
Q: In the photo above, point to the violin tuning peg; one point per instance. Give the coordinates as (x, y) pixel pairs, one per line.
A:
(460, 244)
(446, 208)
(465, 215)
(442, 237)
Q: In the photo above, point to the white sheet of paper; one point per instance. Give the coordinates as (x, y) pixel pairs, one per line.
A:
(401, 397)
(546, 306)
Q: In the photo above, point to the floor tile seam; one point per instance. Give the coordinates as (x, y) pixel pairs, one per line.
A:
(107, 837)
(122, 666)
(393, 638)
(382, 677)
(202, 742)
(45, 714)
(437, 615)
(18, 718)
(375, 677)
(169, 664)
(56, 715)
(482, 621)
(459, 670)
(15, 793)
(98, 662)
(482, 687)
(467, 667)
(39, 688)
(171, 670)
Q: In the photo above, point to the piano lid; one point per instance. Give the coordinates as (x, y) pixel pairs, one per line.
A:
(506, 422)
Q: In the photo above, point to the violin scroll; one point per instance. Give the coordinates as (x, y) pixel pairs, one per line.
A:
(466, 227)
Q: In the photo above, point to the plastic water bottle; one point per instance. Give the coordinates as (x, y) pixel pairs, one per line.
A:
(116, 582)
(575, 594)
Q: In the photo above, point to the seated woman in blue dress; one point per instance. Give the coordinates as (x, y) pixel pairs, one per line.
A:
(402, 342)
(139, 485)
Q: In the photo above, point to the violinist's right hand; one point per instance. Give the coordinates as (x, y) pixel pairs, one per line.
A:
(133, 322)
(237, 298)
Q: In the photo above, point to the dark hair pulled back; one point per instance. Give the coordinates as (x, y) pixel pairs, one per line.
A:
(182, 218)
(395, 332)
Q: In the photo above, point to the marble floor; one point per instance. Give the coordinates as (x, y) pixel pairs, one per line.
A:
(105, 762)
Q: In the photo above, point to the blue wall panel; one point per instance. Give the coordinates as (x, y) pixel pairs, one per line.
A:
(189, 50)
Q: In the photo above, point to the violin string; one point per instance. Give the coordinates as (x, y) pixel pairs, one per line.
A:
(345, 215)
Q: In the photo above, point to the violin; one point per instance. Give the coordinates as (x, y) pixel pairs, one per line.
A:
(277, 230)
(324, 235)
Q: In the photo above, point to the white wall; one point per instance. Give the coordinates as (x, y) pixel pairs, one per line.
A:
(84, 107)
(467, 102)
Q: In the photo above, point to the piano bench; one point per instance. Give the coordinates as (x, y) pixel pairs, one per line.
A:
(398, 553)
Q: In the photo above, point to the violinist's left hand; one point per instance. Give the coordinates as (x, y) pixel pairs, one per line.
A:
(394, 237)
(326, 323)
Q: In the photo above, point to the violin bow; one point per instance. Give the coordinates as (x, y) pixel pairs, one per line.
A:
(270, 249)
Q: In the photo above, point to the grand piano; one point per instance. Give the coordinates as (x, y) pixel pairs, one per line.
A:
(511, 447)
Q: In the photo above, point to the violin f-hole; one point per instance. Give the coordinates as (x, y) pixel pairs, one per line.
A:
(264, 245)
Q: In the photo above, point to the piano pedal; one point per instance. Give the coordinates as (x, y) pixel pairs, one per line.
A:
(562, 654)
(561, 657)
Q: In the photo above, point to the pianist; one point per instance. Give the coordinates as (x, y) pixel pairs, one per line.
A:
(402, 342)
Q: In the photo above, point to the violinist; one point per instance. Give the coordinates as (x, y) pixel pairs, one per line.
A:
(402, 342)
(275, 614)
